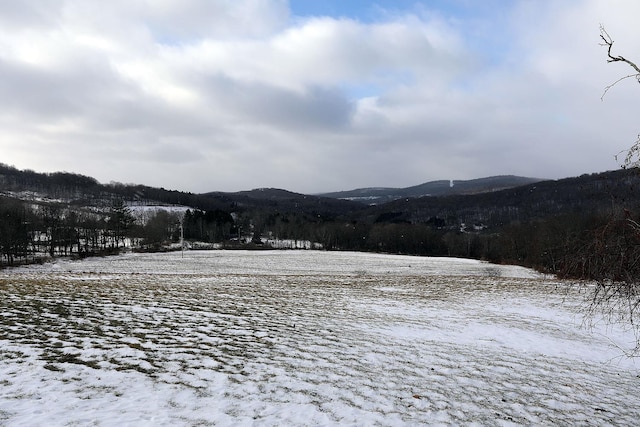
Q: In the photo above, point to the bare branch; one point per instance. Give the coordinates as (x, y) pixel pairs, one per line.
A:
(606, 89)
(632, 156)
(609, 43)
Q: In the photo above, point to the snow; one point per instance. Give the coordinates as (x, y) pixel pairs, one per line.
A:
(304, 338)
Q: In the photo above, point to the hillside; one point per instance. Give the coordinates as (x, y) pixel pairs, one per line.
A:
(432, 188)
(274, 200)
(590, 193)
(493, 201)
(74, 190)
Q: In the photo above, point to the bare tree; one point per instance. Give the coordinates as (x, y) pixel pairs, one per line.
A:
(612, 255)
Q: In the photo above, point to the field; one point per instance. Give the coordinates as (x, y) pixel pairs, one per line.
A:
(303, 338)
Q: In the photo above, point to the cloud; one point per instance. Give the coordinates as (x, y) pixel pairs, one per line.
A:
(229, 95)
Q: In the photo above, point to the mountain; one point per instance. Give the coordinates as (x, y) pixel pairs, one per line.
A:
(599, 193)
(380, 195)
(69, 189)
(492, 201)
(275, 200)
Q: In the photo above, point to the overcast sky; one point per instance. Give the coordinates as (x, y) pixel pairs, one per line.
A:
(314, 96)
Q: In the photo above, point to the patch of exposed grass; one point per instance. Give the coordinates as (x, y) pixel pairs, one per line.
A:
(52, 367)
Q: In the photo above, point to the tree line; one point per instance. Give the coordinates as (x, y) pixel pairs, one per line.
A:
(33, 232)
(27, 232)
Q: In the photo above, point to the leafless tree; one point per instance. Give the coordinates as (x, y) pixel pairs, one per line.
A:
(612, 256)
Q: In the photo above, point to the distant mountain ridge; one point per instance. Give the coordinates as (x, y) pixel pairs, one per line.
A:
(378, 195)
(84, 188)
(492, 202)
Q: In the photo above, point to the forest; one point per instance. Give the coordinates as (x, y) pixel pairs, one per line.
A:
(583, 227)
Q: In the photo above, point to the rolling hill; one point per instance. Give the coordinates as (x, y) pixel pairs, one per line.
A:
(382, 195)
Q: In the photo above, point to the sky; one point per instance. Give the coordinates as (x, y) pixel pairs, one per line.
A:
(315, 96)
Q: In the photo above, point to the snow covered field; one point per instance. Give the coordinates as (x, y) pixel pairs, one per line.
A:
(302, 338)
